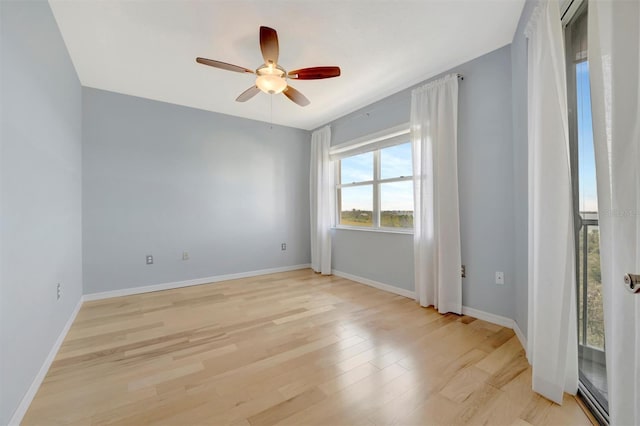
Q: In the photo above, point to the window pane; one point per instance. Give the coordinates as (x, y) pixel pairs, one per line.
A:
(396, 204)
(395, 161)
(588, 201)
(595, 315)
(358, 168)
(356, 205)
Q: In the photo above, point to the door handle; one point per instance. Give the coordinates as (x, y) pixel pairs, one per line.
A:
(632, 283)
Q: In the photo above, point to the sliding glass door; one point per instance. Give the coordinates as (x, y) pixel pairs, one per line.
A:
(591, 355)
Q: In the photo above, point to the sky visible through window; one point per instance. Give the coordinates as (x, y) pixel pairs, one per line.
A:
(358, 168)
(395, 161)
(588, 201)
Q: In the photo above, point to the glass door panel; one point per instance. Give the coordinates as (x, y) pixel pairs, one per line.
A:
(591, 343)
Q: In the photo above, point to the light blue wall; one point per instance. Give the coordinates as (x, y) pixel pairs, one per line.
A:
(383, 257)
(161, 179)
(520, 165)
(40, 193)
(485, 164)
(485, 153)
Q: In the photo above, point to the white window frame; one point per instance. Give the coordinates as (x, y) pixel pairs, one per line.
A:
(371, 143)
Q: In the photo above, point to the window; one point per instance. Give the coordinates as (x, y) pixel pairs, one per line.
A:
(375, 188)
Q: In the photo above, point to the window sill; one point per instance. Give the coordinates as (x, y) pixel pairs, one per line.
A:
(378, 230)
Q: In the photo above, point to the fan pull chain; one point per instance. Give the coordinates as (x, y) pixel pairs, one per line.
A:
(271, 103)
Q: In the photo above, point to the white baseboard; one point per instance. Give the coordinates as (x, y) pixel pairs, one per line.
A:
(521, 337)
(488, 317)
(466, 310)
(188, 283)
(37, 381)
(499, 320)
(380, 286)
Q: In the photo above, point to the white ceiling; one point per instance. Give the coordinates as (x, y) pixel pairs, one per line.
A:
(148, 48)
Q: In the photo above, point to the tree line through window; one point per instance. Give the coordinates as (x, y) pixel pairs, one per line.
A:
(375, 189)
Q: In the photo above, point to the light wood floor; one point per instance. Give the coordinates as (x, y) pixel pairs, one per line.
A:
(293, 348)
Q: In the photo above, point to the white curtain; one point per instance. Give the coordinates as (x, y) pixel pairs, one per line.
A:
(614, 65)
(552, 335)
(322, 200)
(434, 125)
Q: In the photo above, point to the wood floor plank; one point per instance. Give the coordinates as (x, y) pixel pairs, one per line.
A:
(287, 408)
(293, 348)
(501, 356)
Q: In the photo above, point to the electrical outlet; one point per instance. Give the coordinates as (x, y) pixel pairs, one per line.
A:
(500, 278)
(185, 255)
(149, 259)
(283, 246)
(58, 292)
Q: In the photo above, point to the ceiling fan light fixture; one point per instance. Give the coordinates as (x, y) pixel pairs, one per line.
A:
(271, 84)
(271, 79)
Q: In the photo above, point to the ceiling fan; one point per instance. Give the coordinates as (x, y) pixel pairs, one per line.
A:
(271, 77)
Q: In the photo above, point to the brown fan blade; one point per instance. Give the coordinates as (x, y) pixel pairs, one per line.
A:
(269, 45)
(248, 94)
(223, 65)
(314, 73)
(296, 96)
